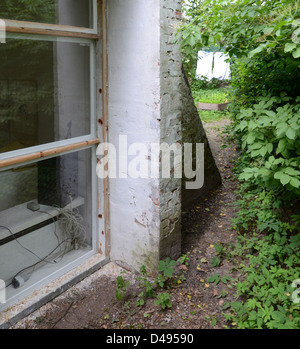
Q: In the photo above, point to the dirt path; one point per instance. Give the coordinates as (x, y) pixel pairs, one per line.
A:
(196, 303)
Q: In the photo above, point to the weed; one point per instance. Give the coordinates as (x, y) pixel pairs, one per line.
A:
(163, 300)
(216, 261)
(121, 288)
(184, 259)
(150, 287)
(268, 251)
(166, 267)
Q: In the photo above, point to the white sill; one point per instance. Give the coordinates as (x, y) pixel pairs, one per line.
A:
(20, 218)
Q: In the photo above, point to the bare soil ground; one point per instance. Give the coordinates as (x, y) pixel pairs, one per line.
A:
(196, 303)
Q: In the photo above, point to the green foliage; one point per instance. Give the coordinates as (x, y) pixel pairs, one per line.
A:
(184, 259)
(269, 247)
(205, 84)
(163, 300)
(166, 267)
(212, 115)
(121, 288)
(207, 94)
(244, 27)
(30, 10)
(214, 279)
(263, 40)
(270, 137)
(268, 74)
(216, 261)
(151, 287)
(210, 96)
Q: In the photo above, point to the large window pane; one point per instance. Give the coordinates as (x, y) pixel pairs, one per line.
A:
(44, 92)
(45, 213)
(63, 12)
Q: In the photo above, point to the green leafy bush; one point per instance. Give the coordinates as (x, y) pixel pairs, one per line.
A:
(210, 96)
(263, 40)
(205, 84)
(121, 288)
(163, 300)
(150, 287)
(271, 139)
(269, 247)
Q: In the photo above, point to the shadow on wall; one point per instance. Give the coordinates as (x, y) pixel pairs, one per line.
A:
(193, 132)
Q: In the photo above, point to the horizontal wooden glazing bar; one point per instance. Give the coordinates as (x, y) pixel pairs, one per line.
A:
(49, 29)
(47, 153)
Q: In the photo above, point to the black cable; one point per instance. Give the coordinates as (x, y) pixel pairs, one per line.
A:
(55, 233)
(33, 265)
(41, 260)
(25, 248)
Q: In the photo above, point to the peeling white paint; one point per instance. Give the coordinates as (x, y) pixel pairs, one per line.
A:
(134, 110)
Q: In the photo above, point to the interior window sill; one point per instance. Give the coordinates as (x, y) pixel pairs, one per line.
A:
(16, 221)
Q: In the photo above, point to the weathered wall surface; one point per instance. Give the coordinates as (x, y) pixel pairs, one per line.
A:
(134, 111)
(180, 123)
(171, 133)
(193, 132)
(149, 103)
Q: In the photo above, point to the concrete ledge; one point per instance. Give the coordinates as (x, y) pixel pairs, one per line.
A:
(212, 106)
(31, 303)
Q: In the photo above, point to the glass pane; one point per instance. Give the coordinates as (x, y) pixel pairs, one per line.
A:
(44, 92)
(45, 214)
(63, 12)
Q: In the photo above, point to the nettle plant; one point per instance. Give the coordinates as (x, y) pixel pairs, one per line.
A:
(271, 139)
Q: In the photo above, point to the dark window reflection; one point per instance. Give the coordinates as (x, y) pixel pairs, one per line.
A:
(44, 92)
(63, 12)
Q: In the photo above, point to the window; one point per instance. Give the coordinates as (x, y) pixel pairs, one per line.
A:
(45, 90)
(73, 13)
(48, 136)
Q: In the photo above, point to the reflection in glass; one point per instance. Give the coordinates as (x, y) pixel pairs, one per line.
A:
(45, 213)
(62, 12)
(44, 92)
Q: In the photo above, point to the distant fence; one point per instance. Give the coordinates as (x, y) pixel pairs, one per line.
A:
(2, 32)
